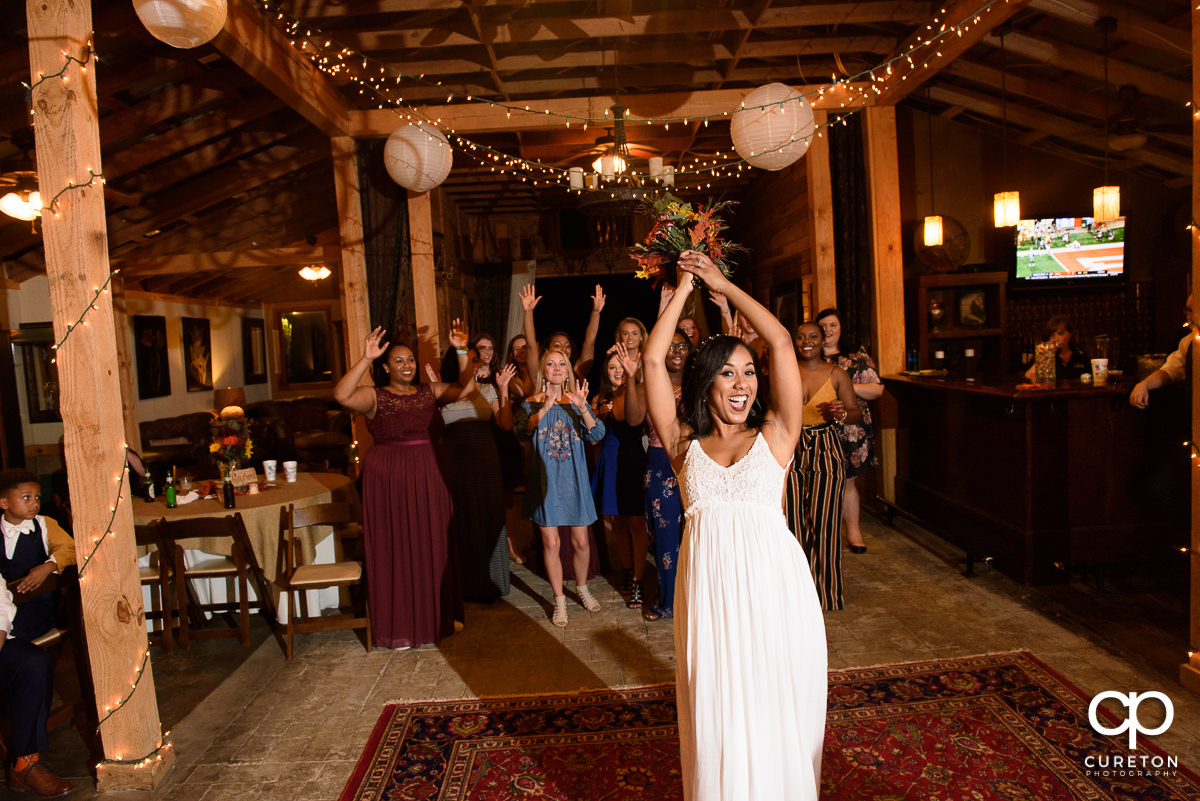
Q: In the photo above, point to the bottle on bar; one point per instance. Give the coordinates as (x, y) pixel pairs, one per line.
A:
(169, 489)
(227, 493)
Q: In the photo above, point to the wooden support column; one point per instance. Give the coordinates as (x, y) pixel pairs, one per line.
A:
(420, 233)
(1189, 672)
(820, 212)
(76, 245)
(356, 312)
(883, 178)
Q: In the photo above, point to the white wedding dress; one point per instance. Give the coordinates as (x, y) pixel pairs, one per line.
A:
(749, 637)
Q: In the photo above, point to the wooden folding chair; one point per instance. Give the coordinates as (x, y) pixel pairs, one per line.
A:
(239, 568)
(157, 576)
(293, 577)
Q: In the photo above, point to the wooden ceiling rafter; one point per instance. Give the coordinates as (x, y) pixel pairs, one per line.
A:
(931, 58)
(258, 47)
(226, 260)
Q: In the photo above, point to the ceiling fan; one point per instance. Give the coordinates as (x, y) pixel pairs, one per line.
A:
(19, 196)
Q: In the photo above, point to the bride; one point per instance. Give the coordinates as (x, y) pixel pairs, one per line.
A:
(749, 635)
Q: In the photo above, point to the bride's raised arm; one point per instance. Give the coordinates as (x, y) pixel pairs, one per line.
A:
(660, 394)
(787, 390)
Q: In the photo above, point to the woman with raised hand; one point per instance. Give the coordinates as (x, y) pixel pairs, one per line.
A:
(557, 420)
(475, 477)
(814, 490)
(664, 509)
(412, 587)
(749, 637)
(858, 439)
(618, 483)
(559, 340)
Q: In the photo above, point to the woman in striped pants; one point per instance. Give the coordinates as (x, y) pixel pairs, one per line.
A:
(817, 478)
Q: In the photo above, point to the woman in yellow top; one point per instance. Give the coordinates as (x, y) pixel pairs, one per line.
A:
(817, 479)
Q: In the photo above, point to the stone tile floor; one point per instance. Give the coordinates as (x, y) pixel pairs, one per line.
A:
(294, 730)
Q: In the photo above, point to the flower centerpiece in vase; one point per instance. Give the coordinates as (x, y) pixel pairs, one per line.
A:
(231, 445)
(679, 226)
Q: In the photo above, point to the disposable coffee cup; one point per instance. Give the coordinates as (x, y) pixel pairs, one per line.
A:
(1099, 372)
(289, 472)
(269, 470)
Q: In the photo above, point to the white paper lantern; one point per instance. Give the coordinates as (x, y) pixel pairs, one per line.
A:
(770, 133)
(182, 23)
(417, 156)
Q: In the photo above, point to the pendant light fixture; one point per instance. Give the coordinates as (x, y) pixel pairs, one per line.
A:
(1106, 200)
(1006, 206)
(933, 222)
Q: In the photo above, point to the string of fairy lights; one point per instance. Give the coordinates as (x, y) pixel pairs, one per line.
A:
(52, 206)
(385, 85)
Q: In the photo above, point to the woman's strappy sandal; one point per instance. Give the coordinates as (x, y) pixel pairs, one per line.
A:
(635, 596)
(586, 599)
(559, 618)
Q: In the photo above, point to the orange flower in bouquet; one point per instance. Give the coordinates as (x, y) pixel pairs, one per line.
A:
(679, 226)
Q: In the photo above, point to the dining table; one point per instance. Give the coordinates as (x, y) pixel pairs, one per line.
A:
(260, 514)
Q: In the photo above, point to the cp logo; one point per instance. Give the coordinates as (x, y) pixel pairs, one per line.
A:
(1131, 701)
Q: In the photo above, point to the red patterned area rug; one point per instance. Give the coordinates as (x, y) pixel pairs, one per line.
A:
(999, 727)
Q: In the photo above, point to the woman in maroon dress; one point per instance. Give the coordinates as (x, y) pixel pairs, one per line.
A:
(411, 581)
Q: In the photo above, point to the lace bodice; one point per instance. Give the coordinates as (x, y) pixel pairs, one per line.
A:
(755, 478)
(405, 418)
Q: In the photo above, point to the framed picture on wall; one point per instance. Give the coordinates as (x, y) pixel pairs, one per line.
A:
(150, 349)
(254, 351)
(197, 354)
(786, 304)
(41, 373)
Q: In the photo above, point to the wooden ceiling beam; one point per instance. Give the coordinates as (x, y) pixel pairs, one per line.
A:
(1132, 25)
(1052, 93)
(214, 188)
(978, 18)
(135, 119)
(1072, 132)
(259, 48)
(482, 117)
(239, 144)
(227, 260)
(210, 125)
(1085, 62)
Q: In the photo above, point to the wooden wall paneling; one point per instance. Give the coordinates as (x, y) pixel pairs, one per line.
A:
(76, 247)
(420, 222)
(1189, 671)
(820, 211)
(883, 178)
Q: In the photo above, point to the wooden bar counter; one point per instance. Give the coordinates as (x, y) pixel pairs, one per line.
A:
(1039, 481)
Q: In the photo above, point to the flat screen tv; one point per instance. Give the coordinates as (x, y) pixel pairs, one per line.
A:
(1074, 251)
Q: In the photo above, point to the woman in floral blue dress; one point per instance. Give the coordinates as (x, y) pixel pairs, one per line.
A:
(557, 420)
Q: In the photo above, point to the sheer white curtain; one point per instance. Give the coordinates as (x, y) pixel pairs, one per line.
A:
(523, 272)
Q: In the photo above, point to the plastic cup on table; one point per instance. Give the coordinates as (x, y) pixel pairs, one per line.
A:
(269, 467)
(1099, 372)
(289, 472)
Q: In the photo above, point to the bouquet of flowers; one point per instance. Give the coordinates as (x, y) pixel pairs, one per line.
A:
(679, 227)
(231, 442)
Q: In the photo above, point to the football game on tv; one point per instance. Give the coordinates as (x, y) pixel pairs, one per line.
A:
(1065, 248)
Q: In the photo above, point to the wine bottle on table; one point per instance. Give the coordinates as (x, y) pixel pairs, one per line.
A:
(227, 493)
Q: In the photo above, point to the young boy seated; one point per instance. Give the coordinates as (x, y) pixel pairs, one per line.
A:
(34, 547)
(25, 679)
